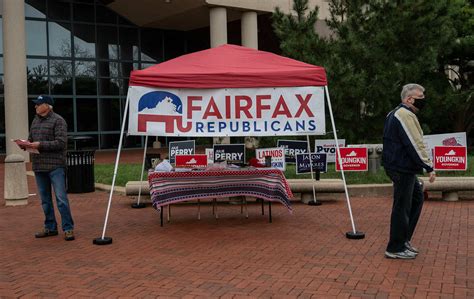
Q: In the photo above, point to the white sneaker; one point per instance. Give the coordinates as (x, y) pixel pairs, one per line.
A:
(406, 254)
(411, 248)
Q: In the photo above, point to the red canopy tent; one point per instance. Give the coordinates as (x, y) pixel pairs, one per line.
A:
(228, 66)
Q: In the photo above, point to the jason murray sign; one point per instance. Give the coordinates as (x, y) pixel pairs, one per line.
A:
(226, 112)
(353, 159)
(232, 153)
(180, 148)
(191, 161)
(277, 155)
(450, 158)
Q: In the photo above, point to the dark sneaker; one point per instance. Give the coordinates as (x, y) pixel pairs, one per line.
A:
(69, 235)
(406, 254)
(411, 248)
(46, 233)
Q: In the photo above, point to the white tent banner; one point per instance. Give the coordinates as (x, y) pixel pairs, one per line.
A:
(226, 112)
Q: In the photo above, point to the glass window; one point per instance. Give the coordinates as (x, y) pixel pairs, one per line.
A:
(59, 9)
(127, 68)
(83, 13)
(61, 85)
(174, 44)
(145, 65)
(37, 67)
(105, 15)
(86, 115)
(86, 86)
(152, 45)
(35, 37)
(59, 39)
(35, 8)
(109, 114)
(65, 108)
(1, 36)
(128, 38)
(109, 140)
(37, 84)
(85, 68)
(84, 41)
(107, 42)
(109, 69)
(2, 87)
(1, 66)
(109, 86)
(60, 67)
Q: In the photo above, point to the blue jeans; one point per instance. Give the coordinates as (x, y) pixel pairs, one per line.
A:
(57, 178)
(406, 209)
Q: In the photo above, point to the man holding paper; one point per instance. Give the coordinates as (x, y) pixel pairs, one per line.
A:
(48, 136)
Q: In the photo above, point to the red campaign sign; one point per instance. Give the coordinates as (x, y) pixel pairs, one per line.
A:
(450, 158)
(191, 161)
(353, 159)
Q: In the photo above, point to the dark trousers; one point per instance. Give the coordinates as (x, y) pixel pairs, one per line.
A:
(406, 209)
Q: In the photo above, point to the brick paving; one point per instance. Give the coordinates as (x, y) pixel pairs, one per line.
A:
(303, 255)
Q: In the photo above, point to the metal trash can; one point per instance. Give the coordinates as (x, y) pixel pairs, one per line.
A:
(80, 171)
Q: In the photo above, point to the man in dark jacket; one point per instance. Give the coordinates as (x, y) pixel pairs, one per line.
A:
(48, 135)
(404, 156)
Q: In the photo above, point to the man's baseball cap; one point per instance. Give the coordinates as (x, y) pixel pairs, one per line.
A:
(44, 99)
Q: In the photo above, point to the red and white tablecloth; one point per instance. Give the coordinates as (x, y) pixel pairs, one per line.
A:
(171, 187)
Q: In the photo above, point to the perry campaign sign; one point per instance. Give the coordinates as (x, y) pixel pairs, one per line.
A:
(277, 155)
(180, 148)
(232, 153)
(226, 112)
(191, 161)
(292, 148)
(319, 162)
(450, 158)
(353, 159)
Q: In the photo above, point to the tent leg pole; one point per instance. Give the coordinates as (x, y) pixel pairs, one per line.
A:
(314, 202)
(139, 205)
(108, 240)
(354, 234)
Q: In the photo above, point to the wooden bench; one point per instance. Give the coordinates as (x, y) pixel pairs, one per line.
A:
(449, 186)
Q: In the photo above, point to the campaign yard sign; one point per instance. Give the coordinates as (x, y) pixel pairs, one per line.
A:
(210, 155)
(447, 139)
(277, 155)
(293, 148)
(264, 111)
(180, 148)
(191, 161)
(353, 159)
(328, 146)
(232, 153)
(450, 158)
(319, 162)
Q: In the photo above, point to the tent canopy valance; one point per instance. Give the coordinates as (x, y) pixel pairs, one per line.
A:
(229, 66)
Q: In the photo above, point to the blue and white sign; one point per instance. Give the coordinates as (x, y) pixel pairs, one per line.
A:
(319, 162)
(279, 111)
(293, 148)
(232, 153)
(180, 148)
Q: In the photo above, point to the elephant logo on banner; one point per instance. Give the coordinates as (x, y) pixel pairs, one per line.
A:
(161, 107)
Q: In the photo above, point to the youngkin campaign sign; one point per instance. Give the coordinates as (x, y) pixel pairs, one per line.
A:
(226, 112)
(450, 158)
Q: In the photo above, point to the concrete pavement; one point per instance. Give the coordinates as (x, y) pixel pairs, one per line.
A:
(299, 255)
